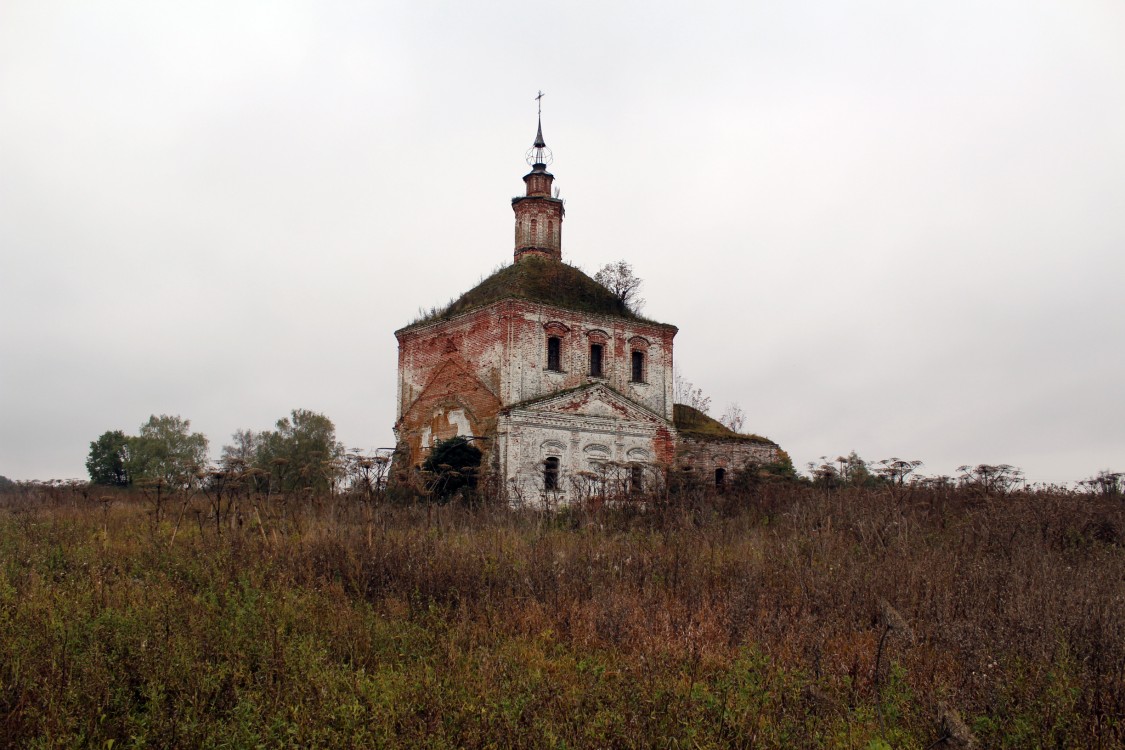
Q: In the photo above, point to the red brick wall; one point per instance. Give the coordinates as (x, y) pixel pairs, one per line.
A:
(457, 374)
(448, 366)
(704, 456)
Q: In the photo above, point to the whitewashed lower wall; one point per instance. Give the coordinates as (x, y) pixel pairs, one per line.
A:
(593, 452)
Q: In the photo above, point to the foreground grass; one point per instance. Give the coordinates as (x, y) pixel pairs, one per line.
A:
(740, 621)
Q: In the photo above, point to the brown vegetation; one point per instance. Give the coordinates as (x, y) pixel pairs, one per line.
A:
(780, 616)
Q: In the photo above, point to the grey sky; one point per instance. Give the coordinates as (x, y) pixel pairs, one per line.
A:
(893, 227)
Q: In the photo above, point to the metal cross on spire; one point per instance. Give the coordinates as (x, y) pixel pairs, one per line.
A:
(539, 155)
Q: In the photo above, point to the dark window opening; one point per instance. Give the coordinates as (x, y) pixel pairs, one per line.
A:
(638, 367)
(551, 473)
(596, 360)
(720, 477)
(554, 353)
(636, 480)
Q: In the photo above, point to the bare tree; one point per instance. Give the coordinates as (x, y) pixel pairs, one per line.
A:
(684, 392)
(619, 278)
(241, 453)
(733, 417)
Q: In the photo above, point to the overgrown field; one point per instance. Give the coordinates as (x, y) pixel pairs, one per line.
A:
(785, 616)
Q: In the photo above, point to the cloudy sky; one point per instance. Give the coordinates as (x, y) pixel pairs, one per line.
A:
(893, 227)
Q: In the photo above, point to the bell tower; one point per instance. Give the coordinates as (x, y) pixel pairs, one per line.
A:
(539, 214)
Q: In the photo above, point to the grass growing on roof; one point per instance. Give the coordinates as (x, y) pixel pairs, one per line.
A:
(694, 423)
(538, 279)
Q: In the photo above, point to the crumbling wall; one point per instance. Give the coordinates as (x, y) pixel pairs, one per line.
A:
(449, 381)
(702, 457)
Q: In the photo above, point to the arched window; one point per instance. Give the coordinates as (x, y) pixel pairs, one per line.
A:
(534, 232)
(596, 360)
(638, 367)
(636, 479)
(554, 353)
(551, 473)
(720, 477)
(550, 232)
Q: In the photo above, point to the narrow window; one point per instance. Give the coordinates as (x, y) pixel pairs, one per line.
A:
(638, 367)
(720, 477)
(551, 473)
(554, 352)
(636, 480)
(550, 232)
(596, 360)
(534, 232)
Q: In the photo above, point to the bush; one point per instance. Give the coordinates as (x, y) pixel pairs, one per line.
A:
(455, 465)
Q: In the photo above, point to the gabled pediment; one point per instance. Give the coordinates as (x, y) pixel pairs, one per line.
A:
(453, 381)
(594, 400)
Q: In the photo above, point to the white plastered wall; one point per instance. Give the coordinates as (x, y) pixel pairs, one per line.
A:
(593, 452)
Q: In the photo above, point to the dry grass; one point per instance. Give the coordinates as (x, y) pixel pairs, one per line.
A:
(749, 620)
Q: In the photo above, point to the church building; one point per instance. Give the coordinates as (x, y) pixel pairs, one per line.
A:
(566, 391)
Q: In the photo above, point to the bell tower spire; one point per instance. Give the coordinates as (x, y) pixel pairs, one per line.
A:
(539, 214)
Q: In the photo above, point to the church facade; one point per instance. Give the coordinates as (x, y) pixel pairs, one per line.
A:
(566, 391)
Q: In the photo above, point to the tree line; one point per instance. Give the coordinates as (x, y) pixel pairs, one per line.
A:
(301, 452)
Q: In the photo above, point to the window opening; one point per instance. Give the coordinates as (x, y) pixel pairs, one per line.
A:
(636, 480)
(554, 353)
(551, 473)
(638, 367)
(720, 477)
(596, 360)
(534, 233)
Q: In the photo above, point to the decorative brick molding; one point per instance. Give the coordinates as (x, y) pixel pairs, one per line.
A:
(597, 336)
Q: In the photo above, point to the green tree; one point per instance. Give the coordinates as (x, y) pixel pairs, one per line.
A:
(6, 484)
(106, 462)
(166, 451)
(242, 453)
(781, 468)
(302, 452)
(455, 462)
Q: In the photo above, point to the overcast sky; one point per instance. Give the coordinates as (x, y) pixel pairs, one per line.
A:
(893, 227)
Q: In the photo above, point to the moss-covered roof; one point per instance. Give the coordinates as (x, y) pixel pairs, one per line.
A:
(538, 279)
(695, 424)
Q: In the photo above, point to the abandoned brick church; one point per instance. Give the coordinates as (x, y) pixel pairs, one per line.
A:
(566, 391)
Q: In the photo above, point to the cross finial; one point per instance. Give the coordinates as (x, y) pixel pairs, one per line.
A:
(539, 154)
